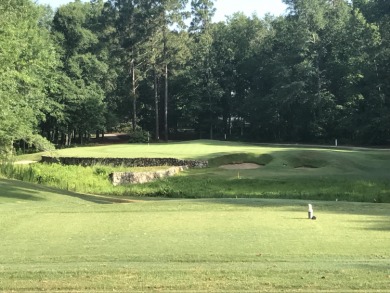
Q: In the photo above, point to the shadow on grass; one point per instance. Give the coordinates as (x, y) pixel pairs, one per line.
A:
(20, 190)
(291, 205)
(97, 199)
(328, 207)
(379, 210)
(379, 225)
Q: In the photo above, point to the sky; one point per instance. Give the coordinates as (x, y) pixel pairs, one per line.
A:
(224, 7)
(260, 7)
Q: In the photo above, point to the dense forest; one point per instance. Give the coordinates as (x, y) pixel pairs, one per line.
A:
(318, 73)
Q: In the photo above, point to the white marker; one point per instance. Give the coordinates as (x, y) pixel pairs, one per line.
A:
(310, 211)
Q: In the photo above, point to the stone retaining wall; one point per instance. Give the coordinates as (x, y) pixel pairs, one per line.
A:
(128, 162)
(118, 178)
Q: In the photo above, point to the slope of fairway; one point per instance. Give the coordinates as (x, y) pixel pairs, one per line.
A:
(61, 241)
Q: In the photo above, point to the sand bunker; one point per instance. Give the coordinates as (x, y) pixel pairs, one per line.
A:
(244, 166)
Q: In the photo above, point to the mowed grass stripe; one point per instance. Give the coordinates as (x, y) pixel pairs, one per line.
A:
(198, 149)
(64, 242)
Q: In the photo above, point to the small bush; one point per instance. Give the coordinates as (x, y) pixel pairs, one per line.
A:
(136, 136)
(139, 136)
(124, 127)
(101, 171)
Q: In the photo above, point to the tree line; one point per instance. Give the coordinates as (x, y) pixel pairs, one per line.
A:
(317, 73)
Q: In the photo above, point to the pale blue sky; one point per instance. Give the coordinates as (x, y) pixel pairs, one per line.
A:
(261, 7)
(224, 7)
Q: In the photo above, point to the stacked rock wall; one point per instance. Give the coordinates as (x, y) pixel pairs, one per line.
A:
(118, 178)
(127, 162)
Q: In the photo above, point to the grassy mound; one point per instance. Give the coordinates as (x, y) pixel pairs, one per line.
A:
(308, 159)
(262, 159)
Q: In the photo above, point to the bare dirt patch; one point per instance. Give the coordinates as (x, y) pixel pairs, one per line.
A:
(243, 166)
(111, 138)
(24, 162)
(306, 168)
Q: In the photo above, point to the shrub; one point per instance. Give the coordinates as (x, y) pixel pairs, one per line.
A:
(139, 136)
(124, 127)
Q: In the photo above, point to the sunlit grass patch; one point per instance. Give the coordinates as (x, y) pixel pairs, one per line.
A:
(66, 242)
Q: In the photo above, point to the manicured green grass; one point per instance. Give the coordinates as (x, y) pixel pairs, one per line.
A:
(286, 172)
(61, 241)
(198, 149)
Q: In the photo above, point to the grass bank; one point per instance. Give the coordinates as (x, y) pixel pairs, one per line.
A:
(62, 241)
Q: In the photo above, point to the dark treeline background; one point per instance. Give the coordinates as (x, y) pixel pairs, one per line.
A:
(318, 73)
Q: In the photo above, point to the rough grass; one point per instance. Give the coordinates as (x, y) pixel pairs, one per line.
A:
(62, 241)
(91, 179)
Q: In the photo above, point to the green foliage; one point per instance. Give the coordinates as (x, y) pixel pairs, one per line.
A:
(139, 136)
(27, 61)
(71, 178)
(135, 136)
(125, 127)
(79, 87)
(74, 178)
(316, 74)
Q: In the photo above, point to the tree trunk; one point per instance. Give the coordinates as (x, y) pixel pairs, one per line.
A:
(134, 96)
(230, 125)
(166, 103)
(64, 139)
(210, 114)
(157, 132)
(166, 84)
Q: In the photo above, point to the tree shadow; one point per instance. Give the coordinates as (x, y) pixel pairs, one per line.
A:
(97, 199)
(20, 190)
(293, 205)
(380, 210)
(378, 225)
